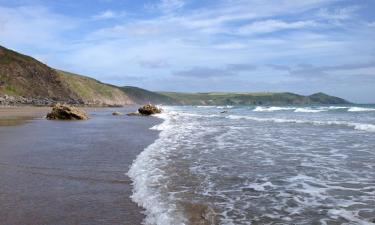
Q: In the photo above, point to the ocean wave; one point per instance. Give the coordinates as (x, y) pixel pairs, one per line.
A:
(148, 181)
(360, 109)
(337, 107)
(224, 107)
(356, 126)
(206, 106)
(308, 110)
(271, 109)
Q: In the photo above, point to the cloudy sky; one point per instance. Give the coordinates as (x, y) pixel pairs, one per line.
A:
(203, 45)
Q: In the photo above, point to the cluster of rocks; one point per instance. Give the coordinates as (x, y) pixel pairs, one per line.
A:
(66, 112)
(146, 110)
(7, 100)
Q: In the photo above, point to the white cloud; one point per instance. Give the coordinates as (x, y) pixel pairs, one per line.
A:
(268, 26)
(231, 46)
(33, 26)
(109, 14)
(166, 6)
(338, 14)
(169, 5)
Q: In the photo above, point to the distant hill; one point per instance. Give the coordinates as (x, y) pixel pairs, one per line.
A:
(266, 98)
(142, 96)
(25, 80)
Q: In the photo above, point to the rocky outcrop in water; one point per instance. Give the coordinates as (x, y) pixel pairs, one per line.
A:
(117, 114)
(149, 109)
(146, 110)
(134, 114)
(66, 112)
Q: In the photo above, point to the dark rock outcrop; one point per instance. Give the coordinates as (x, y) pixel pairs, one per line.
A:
(146, 110)
(149, 110)
(66, 112)
(117, 114)
(134, 114)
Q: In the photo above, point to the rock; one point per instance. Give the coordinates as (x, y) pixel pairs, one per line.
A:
(149, 110)
(66, 112)
(117, 114)
(134, 114)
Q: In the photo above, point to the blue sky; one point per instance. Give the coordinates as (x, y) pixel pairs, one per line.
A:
(203, 45)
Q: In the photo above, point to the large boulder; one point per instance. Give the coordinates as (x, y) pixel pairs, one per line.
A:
(149, 110)
(66, 112)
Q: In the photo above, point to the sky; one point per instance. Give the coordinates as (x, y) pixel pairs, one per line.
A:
(203, 45)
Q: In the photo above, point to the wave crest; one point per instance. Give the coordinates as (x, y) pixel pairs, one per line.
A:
(356, 126)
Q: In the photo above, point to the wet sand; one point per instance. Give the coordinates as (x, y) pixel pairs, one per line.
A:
(10, 116)
(54, 172)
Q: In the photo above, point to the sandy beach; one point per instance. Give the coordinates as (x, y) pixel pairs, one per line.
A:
(10, 116)
(54, 172)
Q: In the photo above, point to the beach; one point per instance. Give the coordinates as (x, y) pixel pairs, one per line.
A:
(57, 172)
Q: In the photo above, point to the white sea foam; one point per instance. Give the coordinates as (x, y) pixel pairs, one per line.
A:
(360, 109)
(349, 216)
(211, 148)
(162, 126)
(148, 181)
(261, 187)
(338, 107)
(271, 109)
(356, 126)
(308, 110)
(225, 107)
(206, 106)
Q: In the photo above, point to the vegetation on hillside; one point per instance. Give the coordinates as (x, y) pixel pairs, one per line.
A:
(266, 98)
(142, 96)
(94, 92)
(25, 77)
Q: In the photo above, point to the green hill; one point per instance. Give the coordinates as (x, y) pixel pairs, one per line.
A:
(94, 92)
(266, 98)
(142, 96)
(31, 82)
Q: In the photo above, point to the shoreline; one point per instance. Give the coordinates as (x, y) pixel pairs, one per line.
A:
(57, 172)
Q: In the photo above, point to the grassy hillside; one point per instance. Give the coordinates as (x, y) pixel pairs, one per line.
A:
(24, 76)
(266, 98)
(94, 92)
(142, 96)
(21, 75)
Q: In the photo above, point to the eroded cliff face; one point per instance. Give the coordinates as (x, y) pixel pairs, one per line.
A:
(25, 80)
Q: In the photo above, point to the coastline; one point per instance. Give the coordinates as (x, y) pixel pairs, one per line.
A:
(57, 172)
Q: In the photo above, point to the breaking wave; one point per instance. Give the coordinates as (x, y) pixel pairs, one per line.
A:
(360, 109)
(271, 109)
(356, 126)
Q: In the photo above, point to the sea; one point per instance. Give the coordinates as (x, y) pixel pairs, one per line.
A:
(259, 165)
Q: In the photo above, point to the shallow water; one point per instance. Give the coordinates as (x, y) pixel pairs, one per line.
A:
(260, 165)
(72, 172)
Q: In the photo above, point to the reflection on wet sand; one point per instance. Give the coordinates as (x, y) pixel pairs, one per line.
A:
(12, 116)
(56, 172)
